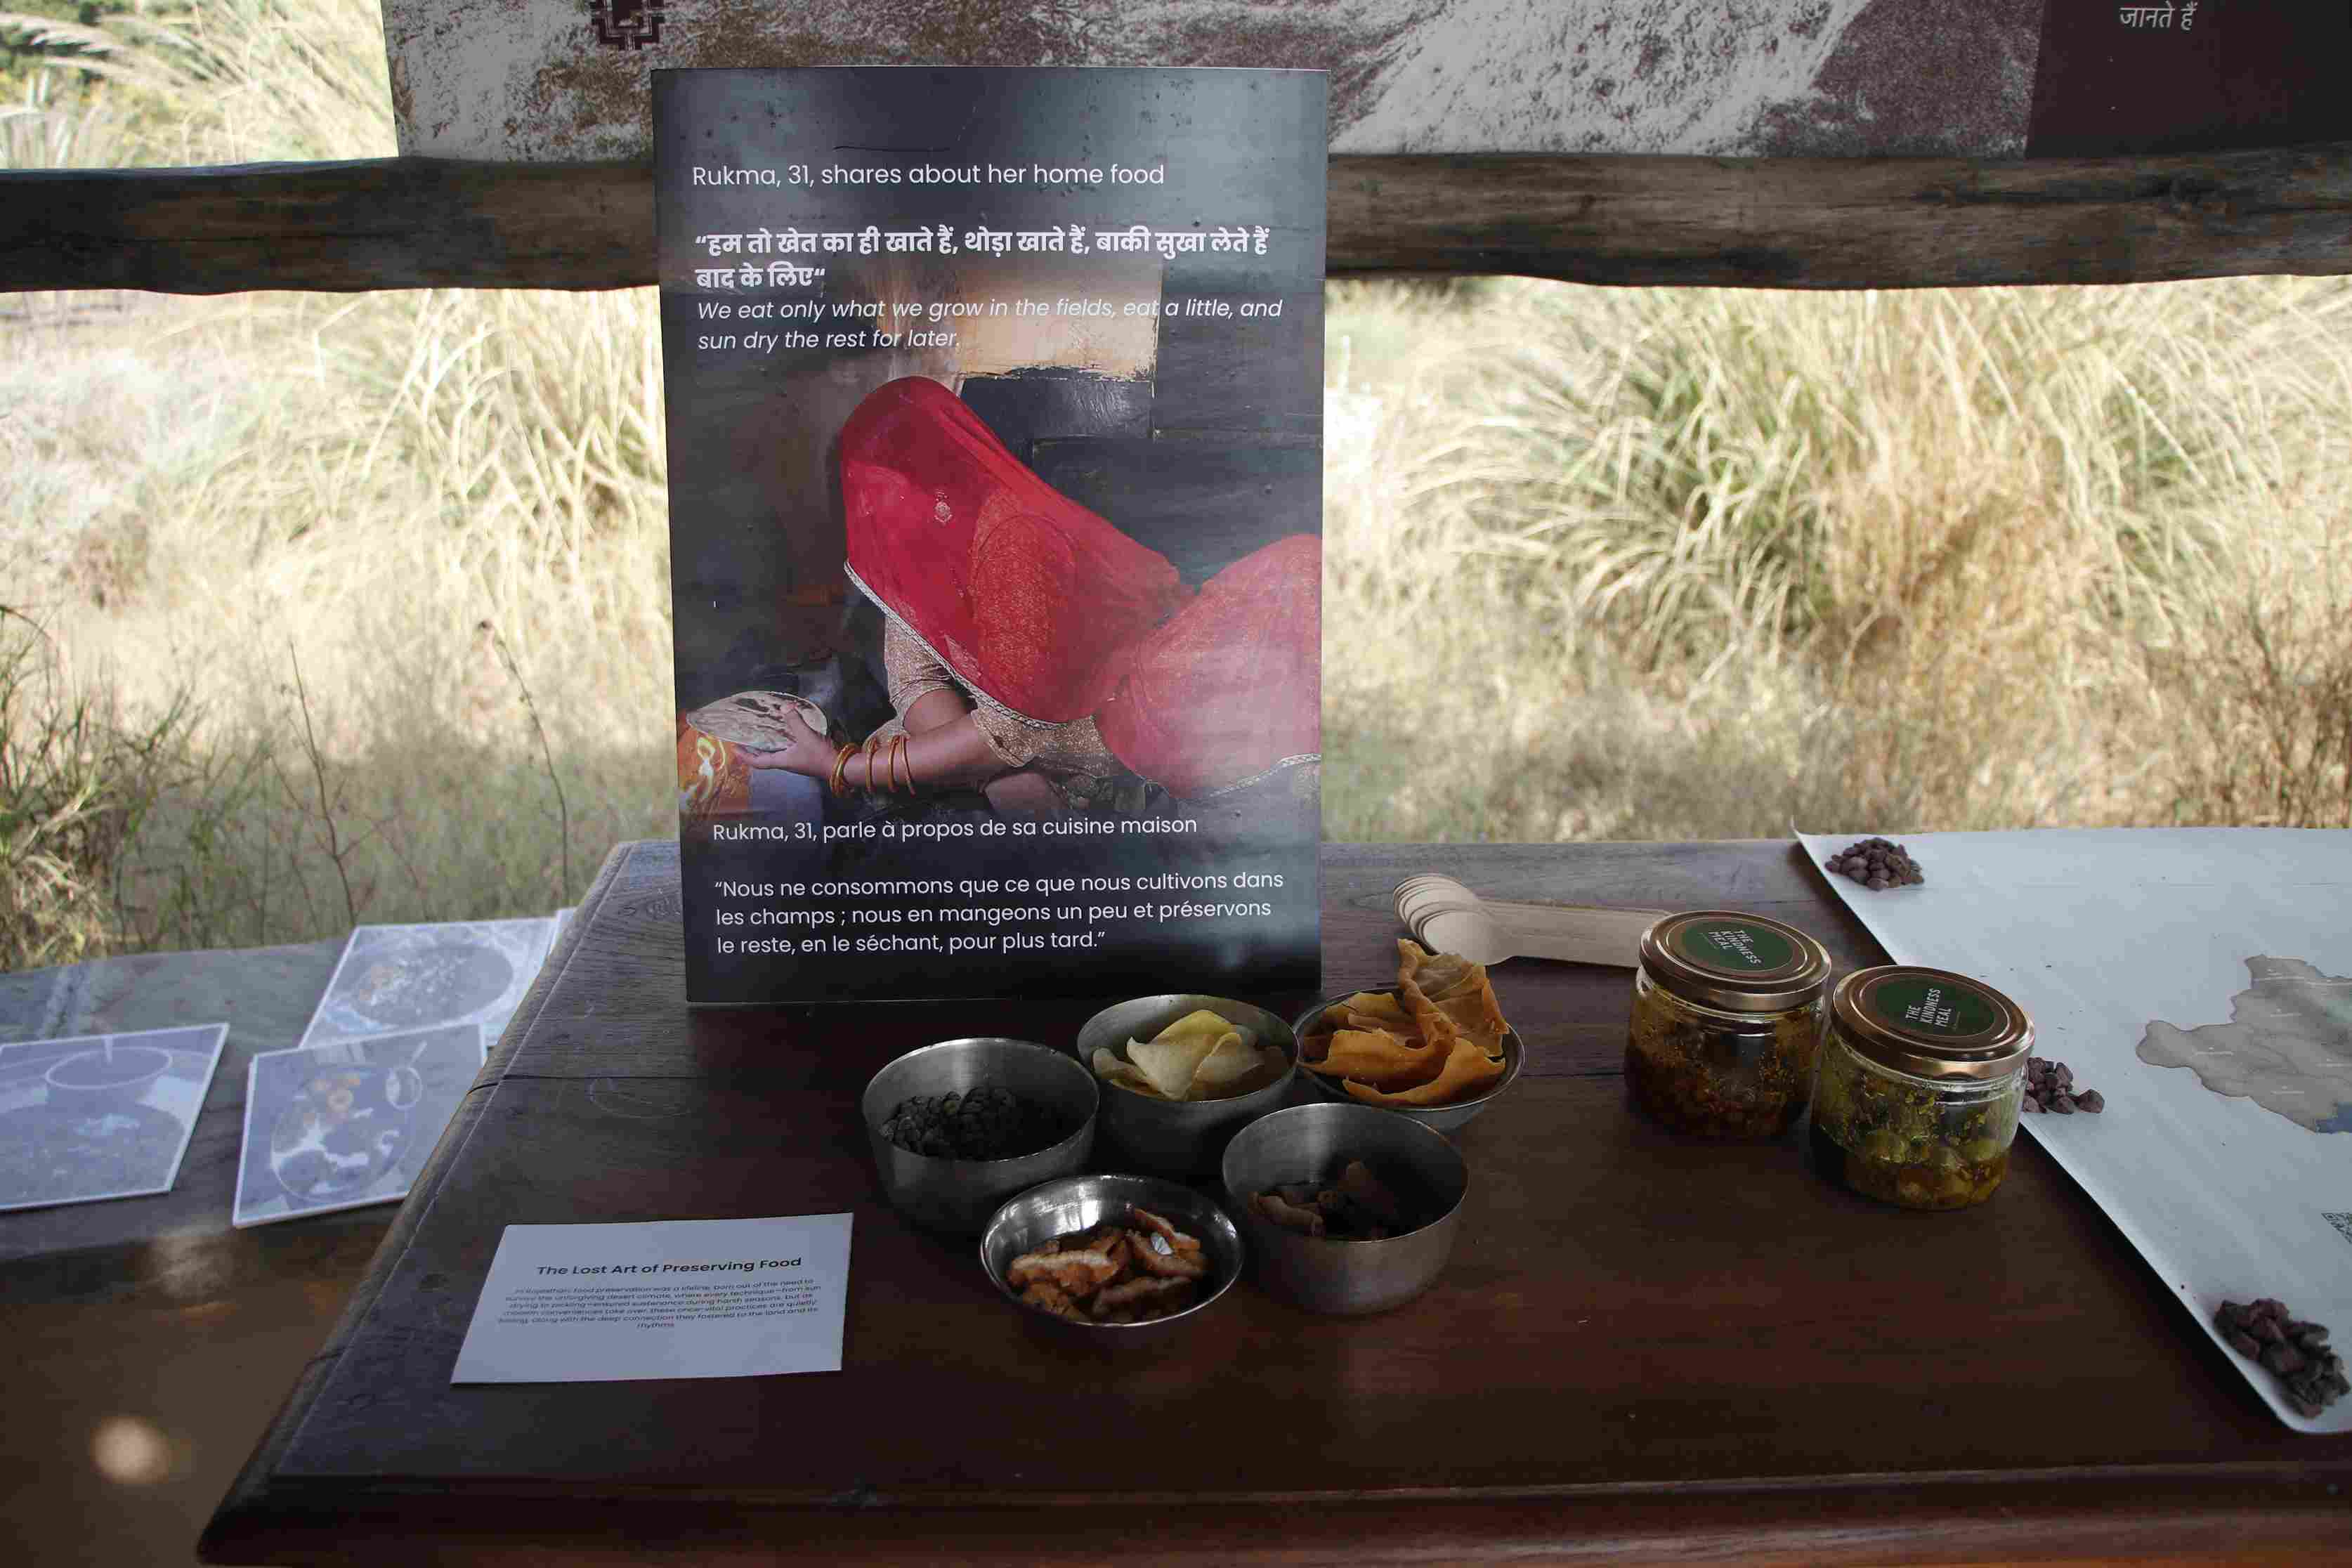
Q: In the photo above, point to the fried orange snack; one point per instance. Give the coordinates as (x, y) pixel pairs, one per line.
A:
(1373, 1009)
(1468, 1069)
(1378, 1057)
(1452, 987)
(1438, 1039)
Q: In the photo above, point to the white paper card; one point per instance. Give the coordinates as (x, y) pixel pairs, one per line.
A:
(2200, 980)
(696, 1297)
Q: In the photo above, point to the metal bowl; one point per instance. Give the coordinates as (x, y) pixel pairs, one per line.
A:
(1445, 1119)
(1312, 1143)
(960, 1195)
(1076, 1203)
(1168, 1137)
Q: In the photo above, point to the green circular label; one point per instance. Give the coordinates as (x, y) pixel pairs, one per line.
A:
(1735, 947)
(1938, 1009)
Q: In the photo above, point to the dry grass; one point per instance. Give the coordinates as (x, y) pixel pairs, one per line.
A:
(1661, 564)
(432, 505)
(1601, 564)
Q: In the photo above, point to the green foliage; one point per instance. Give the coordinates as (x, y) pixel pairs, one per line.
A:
(77, 784)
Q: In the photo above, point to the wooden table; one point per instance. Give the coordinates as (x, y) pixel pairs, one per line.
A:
(1645, 1347)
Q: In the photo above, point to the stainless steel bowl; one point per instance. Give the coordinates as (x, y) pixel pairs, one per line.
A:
(960, 1195)
(1165, 1136)
(1076, 1203)
(1313, 1143)
(1445, 1119)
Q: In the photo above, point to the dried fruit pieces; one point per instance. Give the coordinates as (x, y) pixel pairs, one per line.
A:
(1362, 1204)
(2050, 1086)
(2296, 1353)
(1877, 864)
(1114, 1273)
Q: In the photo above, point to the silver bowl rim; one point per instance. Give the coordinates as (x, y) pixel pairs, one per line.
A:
(874, 1129)
(48, 1075)
(1515, 1061)
(1216, 1218)
(1291, 1068)
(1241, 1200)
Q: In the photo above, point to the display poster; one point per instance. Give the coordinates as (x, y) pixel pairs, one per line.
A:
(554, 81)
(994, 405)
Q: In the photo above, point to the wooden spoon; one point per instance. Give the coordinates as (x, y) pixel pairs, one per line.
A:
(1446, 917)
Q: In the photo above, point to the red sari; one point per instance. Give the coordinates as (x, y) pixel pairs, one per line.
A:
(1044, 608)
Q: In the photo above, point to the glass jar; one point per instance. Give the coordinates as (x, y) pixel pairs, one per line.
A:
(1727, 1017)
(1921, 1076)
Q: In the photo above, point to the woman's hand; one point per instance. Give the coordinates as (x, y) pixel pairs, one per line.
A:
(807, 752)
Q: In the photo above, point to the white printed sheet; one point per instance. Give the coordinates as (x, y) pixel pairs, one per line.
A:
(2200, 980)
(703, 1297)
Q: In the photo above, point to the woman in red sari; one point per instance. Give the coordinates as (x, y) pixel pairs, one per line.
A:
(1027, 639)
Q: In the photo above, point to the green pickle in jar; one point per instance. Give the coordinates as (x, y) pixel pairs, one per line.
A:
(1915, 1096)
(1727, 1013)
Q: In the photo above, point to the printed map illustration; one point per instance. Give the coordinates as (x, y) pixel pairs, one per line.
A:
(2287, 1047)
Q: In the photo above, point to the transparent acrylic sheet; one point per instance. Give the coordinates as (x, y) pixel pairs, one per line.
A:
(416, 976)
(350, 1122)
(87, 1117)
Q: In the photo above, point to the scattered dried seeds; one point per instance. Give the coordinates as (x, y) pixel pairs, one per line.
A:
(2296, 1353)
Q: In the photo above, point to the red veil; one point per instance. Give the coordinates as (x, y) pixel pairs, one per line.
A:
(1047, 610)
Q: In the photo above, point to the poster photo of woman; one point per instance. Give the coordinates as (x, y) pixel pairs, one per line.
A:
(996, 526)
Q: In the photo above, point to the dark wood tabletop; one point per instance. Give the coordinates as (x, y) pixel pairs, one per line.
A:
(1645, 1347)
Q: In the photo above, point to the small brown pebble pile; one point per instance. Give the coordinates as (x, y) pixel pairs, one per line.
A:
(1876, 863)
(2296, 1353)
(2049, 1085)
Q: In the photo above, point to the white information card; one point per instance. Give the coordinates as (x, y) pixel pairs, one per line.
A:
(697, 1298)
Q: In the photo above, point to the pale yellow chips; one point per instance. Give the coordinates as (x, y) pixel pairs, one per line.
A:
(1202, 1056)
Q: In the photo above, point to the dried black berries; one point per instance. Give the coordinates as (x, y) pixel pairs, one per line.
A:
(2296, 1353)
(2049, 1085)
(978, 1124)
(1876, 863)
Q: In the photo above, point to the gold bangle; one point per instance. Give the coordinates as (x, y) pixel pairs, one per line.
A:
(899, 758)
(840, 781)
(872, 743)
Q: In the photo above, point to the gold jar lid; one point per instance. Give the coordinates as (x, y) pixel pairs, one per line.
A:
(1736, 962)
(1930, 1023)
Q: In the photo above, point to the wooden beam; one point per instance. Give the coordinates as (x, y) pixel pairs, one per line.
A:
(1796, 223)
